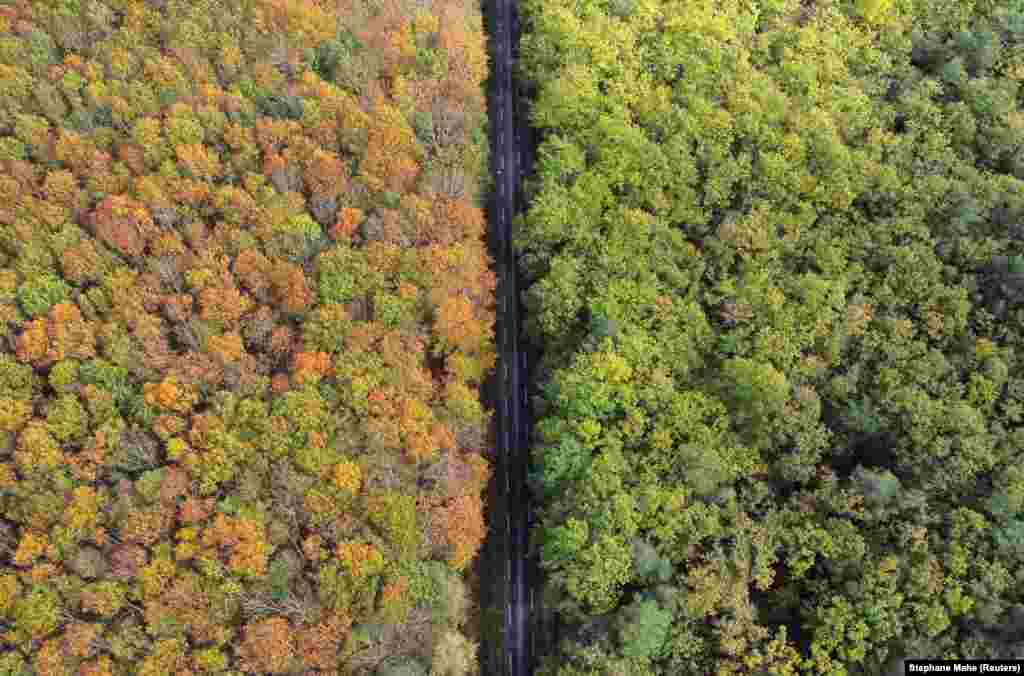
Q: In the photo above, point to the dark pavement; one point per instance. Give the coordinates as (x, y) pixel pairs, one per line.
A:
(512, 418)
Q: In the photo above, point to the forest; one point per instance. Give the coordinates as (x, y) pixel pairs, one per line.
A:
(775, 261)
(246, 308)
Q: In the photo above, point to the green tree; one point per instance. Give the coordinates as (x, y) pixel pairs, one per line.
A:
(642, 628)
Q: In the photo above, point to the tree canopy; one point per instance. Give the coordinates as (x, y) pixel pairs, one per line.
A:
(245, 312)
(774, 254)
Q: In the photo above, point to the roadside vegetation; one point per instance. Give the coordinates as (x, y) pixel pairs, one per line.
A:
(775, 251)
(245, 310)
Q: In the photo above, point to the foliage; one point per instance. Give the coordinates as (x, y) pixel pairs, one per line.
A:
(38, 294)
(454, 655)
(401, 666)
(225, 257)
(38, 612)
(643, 628)
(773, 266)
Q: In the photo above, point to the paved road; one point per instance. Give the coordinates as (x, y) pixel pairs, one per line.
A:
(513, 425)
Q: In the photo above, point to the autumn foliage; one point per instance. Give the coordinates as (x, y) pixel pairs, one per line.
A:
(230, 234)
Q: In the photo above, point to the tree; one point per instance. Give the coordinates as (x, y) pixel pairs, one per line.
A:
(402, 666)
(123, 224)
(219, 264)
(38, 612)
(37, 295)
(643, 627)
(454, 655)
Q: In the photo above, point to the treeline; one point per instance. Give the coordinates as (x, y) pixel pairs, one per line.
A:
(776, 265)
(245, 310)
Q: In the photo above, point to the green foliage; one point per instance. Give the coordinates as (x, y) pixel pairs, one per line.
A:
(88, 121)
(648, 564)
(107, 376)
(643, 628)
(863, 418)
(401, 666)
(316, 460)
(394, 515)
(67, 419)
(427, 581)
(568, 461)
(279, 107)
(562, 543)
(211, 660)
(879, 488)
(782, 218)
(327, 57)
(1011, 536)
(391, 310)
(38, 613)
(280, 579)
(331, 55)
(64, 375)
(423, 124)
(38, 294)
(148, 484)
(306, 411)
(335, 286)
(16, 379)
(303, 224)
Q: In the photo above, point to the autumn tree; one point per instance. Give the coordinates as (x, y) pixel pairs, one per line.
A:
(217, 295)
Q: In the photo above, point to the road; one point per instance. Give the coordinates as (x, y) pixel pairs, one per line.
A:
(512, 417)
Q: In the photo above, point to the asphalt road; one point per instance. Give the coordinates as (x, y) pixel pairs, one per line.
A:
(512, 417)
